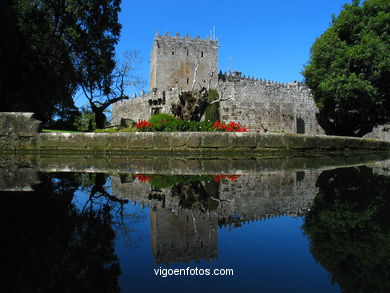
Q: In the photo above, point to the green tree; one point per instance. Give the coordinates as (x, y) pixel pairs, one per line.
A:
(49, 48)
(349, 69)
(348, 228)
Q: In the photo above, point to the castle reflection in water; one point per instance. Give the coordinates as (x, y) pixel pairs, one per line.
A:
(185, 217)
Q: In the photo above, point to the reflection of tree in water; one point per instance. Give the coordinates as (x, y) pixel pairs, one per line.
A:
(197, 195)
(50, 245)
(201, 198)
(349, 228)
(94, 184)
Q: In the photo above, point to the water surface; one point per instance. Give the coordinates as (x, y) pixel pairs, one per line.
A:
(304, 229)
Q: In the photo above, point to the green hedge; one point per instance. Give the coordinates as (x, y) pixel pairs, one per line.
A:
(166, 122)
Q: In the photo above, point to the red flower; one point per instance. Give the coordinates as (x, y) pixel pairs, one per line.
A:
(231, 127)
(142, 178)
(143, 124)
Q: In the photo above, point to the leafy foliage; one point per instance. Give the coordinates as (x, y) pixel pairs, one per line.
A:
(348, 228)
(349, 69)
(166, 122)
(49, 48)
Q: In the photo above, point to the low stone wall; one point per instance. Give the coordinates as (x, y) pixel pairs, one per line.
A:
(18, 123)
(19, 132)
(153, 142)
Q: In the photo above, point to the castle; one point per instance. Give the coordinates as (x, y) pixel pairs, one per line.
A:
(183, 63)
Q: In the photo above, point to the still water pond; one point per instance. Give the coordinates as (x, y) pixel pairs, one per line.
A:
(276, 230)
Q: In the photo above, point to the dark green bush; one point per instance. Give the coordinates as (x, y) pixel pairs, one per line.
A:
(160, 122)
(168, 123)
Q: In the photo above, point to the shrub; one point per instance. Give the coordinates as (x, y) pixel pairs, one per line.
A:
(166, 122)
(162, 122)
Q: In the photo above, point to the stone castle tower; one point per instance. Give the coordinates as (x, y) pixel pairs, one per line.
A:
(176, 62)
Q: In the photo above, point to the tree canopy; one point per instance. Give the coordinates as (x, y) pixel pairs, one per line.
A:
(349, 69)
(49, 48)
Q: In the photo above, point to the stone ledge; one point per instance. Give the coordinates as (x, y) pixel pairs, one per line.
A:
(192, 142)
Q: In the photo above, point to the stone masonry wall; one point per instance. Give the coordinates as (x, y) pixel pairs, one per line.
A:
(18, 128)
(175, 61)
(142, 108)
(263, 105)
(256, 104)
(381, 132)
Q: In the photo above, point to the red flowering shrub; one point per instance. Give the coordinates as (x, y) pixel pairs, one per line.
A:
(231, 127)
(143, 124)
(142, 178)
(218, 178)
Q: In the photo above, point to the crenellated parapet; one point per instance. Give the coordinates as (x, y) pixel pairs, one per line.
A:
(237, 76)
(173, 38)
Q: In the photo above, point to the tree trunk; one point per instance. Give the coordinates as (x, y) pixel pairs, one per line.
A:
(100, 120)
(192, 105)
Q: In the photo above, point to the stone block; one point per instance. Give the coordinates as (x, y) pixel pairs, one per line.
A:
(162, 140)
(19, 123)
(242, 164)
(295, 141)
(126, 122)
(313, 142)
(137, 140)
(215, 166)
(179, 139)
(162, 165)
(271, 140)
(243, 140)
(185, 166)
(117, 141)
(215, 140)
(194, 139)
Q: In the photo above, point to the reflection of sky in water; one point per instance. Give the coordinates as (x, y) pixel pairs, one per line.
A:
(267, 256)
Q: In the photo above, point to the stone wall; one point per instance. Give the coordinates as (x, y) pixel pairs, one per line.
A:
(188, 142)
(18, 129)
(143, 107)
(176, 61)
(259, 105)
(18, 123)
(381, 132)
(269, 106)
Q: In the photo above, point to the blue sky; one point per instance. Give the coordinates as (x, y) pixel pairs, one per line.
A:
(265, 39)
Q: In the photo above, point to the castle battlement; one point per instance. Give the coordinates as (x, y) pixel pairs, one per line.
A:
(167, 37)
(237, 77)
